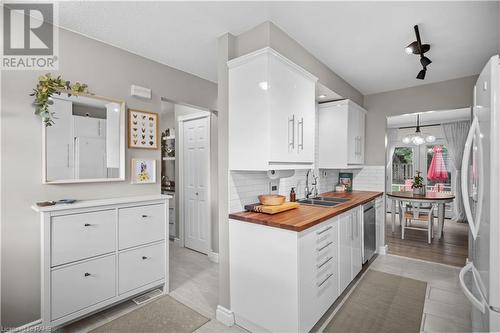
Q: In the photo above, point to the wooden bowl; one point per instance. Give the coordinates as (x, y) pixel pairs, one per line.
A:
(272, 199)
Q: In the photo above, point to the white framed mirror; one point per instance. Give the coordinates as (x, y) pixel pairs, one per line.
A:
(86, 143)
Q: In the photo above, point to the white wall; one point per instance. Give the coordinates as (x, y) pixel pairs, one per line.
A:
(108, 71)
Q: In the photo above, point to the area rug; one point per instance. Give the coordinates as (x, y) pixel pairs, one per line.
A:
(163, 315)
(381, 302)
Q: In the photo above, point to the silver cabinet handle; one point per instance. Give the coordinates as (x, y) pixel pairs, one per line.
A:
(324, 246)
(325, 262)
(324, 230)
(326, 279)
(301, 125)
(144, 258)
(144, 216)
(87, 225)
(291, 142)
(86, 274)
(352, 227)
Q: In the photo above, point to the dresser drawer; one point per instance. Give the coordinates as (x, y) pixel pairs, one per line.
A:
(141, 266)
(140, 225)
(79, 236)
(82, 285)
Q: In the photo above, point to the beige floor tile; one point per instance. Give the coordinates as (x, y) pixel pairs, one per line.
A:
(434, 323)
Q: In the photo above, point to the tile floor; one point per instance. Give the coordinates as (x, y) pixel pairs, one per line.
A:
(194, 282)
(445, 309)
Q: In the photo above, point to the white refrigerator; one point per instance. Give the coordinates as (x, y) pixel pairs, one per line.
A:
(480, 278)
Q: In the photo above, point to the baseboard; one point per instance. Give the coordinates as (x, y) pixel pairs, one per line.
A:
(224, 315)
(382, 250)
(34, 326)
(214, 257)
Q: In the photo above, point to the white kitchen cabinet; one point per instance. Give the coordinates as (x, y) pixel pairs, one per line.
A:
(99, 252)
(350, 254)
(341, 135)
(299, 273)
(271, 113)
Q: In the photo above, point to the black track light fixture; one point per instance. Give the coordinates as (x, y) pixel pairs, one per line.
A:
(421, 74)
(417, 47)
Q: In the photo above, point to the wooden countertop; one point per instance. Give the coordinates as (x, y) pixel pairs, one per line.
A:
(307, 216)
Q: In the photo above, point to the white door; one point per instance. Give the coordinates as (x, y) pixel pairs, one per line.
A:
(196, 176)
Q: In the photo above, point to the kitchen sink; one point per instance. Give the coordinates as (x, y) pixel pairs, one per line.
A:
(318, 202)
(323, 201)
(331, 199)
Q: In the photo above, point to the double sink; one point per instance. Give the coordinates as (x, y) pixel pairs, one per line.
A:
(322, 201)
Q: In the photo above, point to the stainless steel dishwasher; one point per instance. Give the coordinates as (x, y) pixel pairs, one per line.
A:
(369, 226)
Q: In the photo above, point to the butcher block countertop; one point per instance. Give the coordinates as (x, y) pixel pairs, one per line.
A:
(307, 216)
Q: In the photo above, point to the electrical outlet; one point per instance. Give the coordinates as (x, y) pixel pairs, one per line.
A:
(274, 187)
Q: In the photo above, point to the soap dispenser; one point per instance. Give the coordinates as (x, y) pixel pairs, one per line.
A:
(292, 195)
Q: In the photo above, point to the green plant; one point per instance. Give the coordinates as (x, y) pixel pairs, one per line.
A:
(418, 181)
(48, 86)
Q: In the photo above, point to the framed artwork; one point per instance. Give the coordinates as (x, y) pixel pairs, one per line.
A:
(345, 178)
(143, 129)
(143, 171)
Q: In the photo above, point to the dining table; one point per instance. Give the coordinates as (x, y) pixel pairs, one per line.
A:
(429, 198)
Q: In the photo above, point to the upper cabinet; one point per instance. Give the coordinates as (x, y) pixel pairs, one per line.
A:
(271, 113)
(341, 135)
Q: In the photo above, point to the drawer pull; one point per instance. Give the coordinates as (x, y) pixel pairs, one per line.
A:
(144, 257)
(87, 225)
(324, 246)
(144, 216)
(324, 230)
(326, 279)
(86, 274)
(325, 262)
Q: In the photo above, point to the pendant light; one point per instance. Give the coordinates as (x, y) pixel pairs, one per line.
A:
(418, 138)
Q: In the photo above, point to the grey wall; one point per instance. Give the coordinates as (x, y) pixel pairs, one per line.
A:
(109, 72)
(268, 34)
(452, 94)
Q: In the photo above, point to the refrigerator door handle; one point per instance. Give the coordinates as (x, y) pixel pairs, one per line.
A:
(473, 225)
(478, 304)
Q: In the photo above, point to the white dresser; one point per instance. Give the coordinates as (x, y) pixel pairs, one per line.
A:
(99, 252)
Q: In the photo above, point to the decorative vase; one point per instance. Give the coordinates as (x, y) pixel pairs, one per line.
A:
(419, 190)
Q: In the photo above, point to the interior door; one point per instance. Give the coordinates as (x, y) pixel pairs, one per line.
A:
(196, 177)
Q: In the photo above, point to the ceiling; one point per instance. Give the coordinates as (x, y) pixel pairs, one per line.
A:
(363, 42)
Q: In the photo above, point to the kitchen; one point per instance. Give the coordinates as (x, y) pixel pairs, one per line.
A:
(254, 166)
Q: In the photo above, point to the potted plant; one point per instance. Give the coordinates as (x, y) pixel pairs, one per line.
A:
(418, 185)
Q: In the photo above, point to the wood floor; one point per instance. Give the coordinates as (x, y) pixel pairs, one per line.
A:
(451, 249)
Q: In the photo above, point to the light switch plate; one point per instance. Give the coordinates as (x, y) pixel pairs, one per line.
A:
(274, 186)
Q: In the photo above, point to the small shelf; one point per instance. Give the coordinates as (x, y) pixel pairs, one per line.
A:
(168, 158)
(165, 138)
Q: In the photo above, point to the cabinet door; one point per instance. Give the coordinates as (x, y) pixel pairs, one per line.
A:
(345, 241)
(352, 136)
(361, 137)
(283, 117)
(356, 257)
(306, 111)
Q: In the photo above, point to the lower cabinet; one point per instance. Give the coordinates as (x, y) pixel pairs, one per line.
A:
(299, 273)
(96, 253)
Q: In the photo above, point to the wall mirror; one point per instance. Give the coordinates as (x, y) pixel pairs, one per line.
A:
(87, 141)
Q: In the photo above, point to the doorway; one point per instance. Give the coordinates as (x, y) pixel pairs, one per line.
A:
(186, 169)
(406, 156)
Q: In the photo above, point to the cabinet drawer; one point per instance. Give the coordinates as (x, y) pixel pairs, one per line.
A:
(82, 285)
(79, 236)
(140, 225)
(141, 266)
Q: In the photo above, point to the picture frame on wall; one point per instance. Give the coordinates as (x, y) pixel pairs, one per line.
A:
(143, 171)
(143, 129)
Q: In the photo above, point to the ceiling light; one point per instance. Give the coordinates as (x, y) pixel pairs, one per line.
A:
(418, 48)
(412, 48)
(430, 138)
(407, 139)
(322, 96)
(418, 140)
(421, 74)
(264, 85)
(425, 61)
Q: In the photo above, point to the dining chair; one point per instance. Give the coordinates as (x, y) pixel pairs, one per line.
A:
(413, 213)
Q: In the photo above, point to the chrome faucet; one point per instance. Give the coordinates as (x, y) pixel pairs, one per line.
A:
(314, 190)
